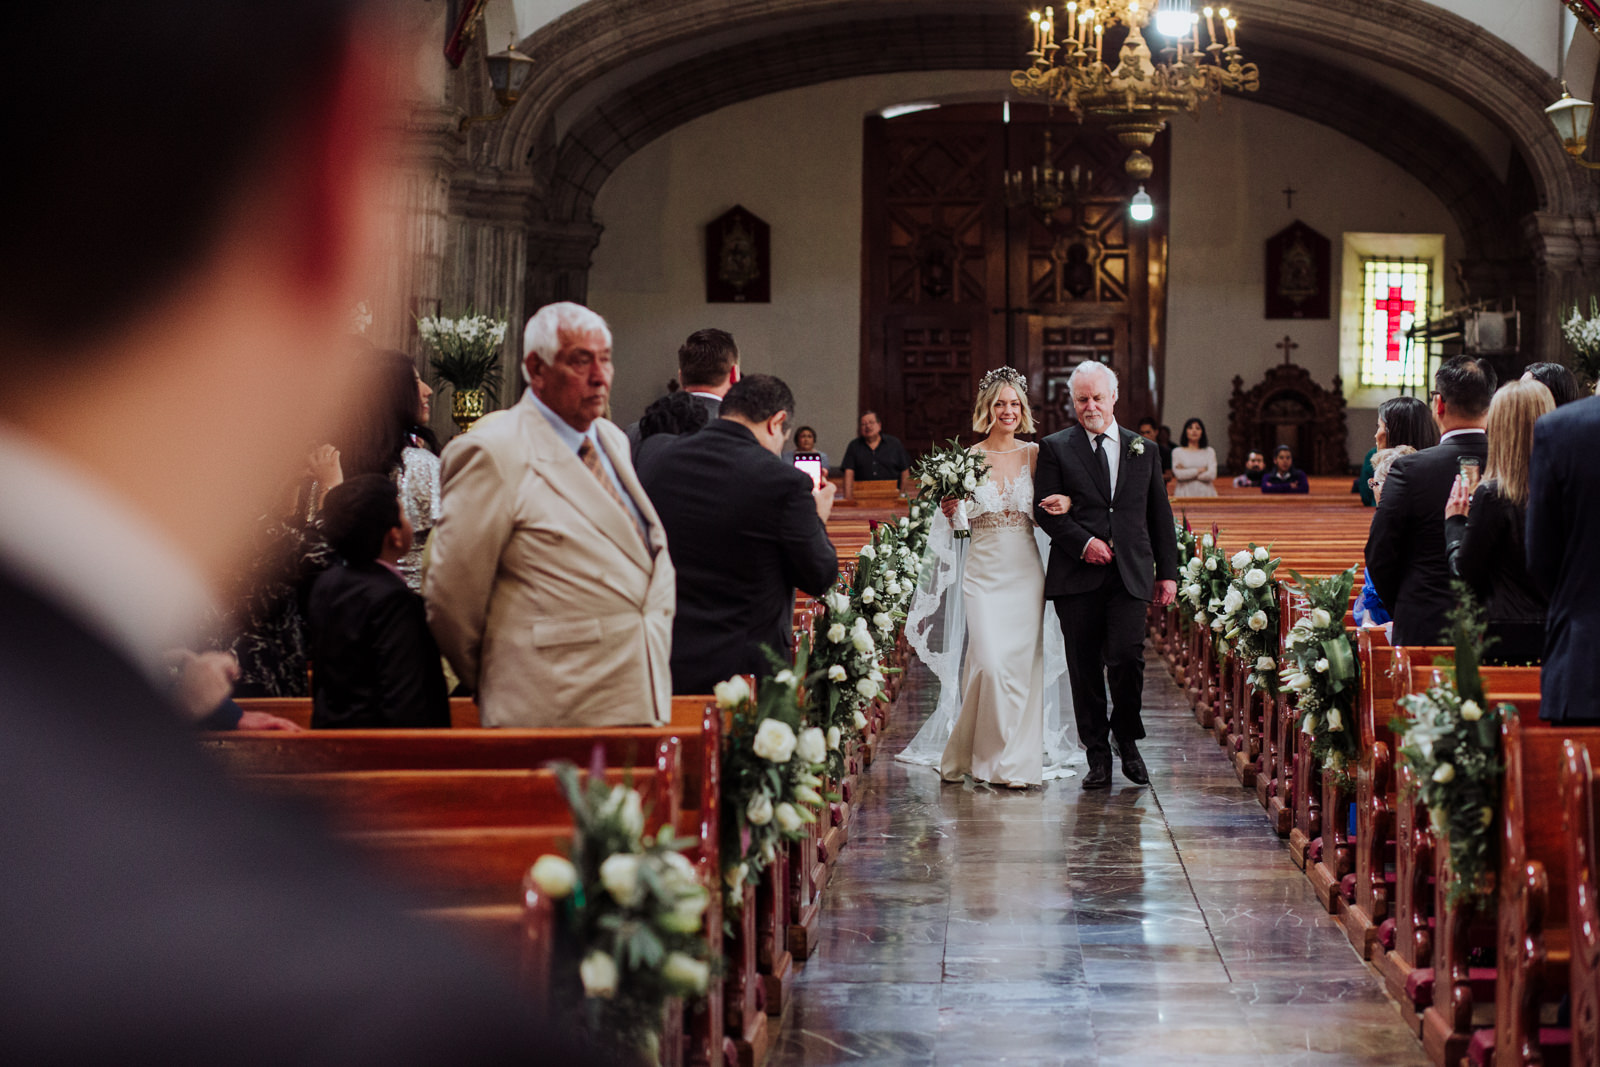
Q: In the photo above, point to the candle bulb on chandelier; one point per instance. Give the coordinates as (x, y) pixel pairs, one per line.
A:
(1211, 27)
(1232, 25)
(1072, 20)
(1037, 39)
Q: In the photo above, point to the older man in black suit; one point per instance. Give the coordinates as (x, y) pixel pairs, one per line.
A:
(745, 530)
(1405, 545)
(1563, 530)
(1112, 553)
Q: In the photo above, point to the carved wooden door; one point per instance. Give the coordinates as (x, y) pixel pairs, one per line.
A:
(1056, 345)
(957, 280)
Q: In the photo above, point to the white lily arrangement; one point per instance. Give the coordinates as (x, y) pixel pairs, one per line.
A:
(631, 913)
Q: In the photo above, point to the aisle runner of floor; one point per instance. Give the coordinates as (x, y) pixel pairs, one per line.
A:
(1134, 926)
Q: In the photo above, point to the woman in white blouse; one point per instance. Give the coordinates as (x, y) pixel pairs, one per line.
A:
(1194, 462)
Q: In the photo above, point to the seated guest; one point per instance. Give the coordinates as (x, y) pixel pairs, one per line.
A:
(1563, 530)
(1149, 431)
(1255, 465)
(1369, 610)
(745, 530)
(1194, 462)
(373, 661)
(708, 365)
(1285, 477)
(1483, 529)
(805, 440)
(1405, 549)
(875, 457)
(201, 685)
(550, 587)
(1556, 378)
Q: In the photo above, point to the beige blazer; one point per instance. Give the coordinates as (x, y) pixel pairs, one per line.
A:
(540, 591)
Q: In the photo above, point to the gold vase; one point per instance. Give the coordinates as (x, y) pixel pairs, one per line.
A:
(467, 407)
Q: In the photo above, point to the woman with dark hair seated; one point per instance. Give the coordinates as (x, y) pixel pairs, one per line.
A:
(389, 435)
(374, 662)
(805, 440)
(1285, 477)
(1194, 462)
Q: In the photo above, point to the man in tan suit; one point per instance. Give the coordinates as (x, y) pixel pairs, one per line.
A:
(550, 587)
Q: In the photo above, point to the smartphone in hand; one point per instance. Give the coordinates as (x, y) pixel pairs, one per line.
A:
(811, 463)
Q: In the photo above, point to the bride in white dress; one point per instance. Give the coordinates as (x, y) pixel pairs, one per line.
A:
(1006, 718)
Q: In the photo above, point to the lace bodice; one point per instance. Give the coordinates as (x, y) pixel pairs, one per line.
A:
(1006, 498)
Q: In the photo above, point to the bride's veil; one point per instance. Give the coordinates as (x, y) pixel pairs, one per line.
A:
(936, 628)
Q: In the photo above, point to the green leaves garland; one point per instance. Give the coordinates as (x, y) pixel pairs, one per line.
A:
(1248, 616)
(631, 913)
(770, 766)
(1322, 672)
(1452, 744)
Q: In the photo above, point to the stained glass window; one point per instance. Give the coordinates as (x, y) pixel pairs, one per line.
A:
(1394, 296)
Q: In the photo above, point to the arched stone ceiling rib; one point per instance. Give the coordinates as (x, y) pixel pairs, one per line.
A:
(1435, 45)
(626, 122)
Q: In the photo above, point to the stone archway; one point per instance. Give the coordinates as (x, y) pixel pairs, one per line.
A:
(614, 75)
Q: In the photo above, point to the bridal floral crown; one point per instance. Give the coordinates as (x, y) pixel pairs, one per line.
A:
(1010, 375)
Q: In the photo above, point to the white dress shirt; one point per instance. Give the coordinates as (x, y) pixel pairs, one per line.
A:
(1113, 447)
(96, 558)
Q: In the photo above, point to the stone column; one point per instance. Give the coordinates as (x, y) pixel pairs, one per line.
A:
(559, 256)
(418, 199)
(1566, 254)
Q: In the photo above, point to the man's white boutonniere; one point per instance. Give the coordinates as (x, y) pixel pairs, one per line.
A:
(1136, 446)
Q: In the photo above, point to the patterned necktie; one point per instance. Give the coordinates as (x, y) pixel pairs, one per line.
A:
(591, 459)
(1105, 459)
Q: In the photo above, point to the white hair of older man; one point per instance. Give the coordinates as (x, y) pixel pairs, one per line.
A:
(542, 337)
(1090, 366)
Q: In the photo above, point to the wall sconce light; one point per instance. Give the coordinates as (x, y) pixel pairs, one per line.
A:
(1141, 208)
(1571, 120)
(508, 73)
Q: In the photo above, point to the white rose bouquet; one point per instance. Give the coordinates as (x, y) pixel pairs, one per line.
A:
(1247, 620)
(950, 472)
(1451, 741)
(772, 761)
(631, 913)
(1319, 667)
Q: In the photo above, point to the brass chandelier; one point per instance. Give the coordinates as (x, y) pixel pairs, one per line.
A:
(1135, 97)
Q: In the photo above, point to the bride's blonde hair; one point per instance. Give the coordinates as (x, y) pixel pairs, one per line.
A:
(989, 390)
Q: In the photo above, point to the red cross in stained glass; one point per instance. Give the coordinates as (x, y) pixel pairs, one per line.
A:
(1394, 307)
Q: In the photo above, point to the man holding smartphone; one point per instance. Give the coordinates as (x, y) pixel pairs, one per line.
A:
(1406, 546)
(744, 528)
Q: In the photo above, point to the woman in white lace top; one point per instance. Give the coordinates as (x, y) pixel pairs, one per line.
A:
(999, 733)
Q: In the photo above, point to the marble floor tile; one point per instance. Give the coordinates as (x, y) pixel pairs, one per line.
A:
(1057, 927)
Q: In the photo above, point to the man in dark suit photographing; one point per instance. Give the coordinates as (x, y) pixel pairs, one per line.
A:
(745, 529)
(1111, 553)
(1405, 546)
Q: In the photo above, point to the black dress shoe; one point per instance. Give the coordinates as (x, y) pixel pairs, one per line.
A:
(1099, 776)
(1133, 768)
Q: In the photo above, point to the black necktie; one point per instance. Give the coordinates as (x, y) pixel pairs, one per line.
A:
(1105, 460)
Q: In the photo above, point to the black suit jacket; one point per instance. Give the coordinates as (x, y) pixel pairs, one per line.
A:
(1134, 518)
(1563, 533)
(374, 662)
(151, 913)
(744, 533)
(1405, 546)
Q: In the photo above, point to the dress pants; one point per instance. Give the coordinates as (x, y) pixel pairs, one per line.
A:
(1104, 631)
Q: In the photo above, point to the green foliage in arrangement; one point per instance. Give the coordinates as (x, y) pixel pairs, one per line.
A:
(1321, 670)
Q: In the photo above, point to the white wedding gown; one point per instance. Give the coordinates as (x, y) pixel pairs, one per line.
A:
(1005, 716)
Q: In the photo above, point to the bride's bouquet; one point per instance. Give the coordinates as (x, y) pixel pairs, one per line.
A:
(948, 472)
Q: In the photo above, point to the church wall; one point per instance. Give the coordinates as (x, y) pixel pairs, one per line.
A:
(1227, 173)
(794, 159)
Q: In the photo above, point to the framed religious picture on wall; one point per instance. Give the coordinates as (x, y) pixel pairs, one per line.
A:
(738, 259)
(1299, 283)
